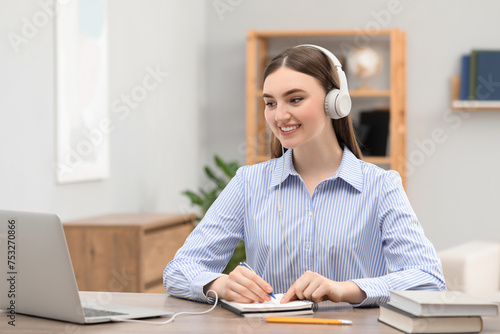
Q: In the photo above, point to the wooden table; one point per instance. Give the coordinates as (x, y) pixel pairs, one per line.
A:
(218, 321)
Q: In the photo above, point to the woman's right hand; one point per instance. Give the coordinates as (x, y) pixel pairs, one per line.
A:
(242, 286)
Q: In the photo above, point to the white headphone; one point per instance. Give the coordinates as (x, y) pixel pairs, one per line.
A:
(337, 101)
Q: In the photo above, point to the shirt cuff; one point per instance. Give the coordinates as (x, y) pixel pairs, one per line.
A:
(199, 283)
(376, 289)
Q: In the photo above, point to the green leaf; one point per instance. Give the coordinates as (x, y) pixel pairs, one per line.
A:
(209, 199)
(223, 166)
(233, 168)
(211, 175)
(220, 183)
(202, 192)
(229, 169)
(195, 199)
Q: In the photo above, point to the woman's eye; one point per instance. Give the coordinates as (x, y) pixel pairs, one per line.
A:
(296, 99)
(270, 104)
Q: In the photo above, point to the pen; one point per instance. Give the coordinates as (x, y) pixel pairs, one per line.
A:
(247, 266)
(308, 321)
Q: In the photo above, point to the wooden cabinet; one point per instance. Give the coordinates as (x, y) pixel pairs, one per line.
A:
(125, 252)
(389, 89)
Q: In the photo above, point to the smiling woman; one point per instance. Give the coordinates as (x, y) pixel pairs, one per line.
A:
(318, 222)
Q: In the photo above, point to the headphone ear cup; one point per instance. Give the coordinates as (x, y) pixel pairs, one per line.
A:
(343, 104)
(330, 103)
(337, 104)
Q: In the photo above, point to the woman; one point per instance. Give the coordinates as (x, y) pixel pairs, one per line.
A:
(318, 222)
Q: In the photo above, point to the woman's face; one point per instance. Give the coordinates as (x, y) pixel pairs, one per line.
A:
(294, 108)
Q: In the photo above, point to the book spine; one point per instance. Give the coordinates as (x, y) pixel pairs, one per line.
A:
(472, 75)
(464, 78)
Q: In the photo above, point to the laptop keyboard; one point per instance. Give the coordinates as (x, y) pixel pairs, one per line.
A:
(93, 313)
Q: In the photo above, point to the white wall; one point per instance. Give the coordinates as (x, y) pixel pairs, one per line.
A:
(154, 150)
(454, 189)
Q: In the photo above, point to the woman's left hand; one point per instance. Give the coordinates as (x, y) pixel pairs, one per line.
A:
(316, 287)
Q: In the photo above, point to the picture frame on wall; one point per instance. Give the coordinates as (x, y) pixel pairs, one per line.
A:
(82, 113)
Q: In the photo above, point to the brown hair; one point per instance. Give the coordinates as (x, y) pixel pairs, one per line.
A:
(315, 63)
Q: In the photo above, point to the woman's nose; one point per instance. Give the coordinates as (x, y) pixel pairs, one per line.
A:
(281, 113)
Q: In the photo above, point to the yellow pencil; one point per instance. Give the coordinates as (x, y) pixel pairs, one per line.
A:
(308, 321)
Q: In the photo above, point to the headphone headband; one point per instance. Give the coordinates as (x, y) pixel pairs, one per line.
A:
(337, 101)
(327, 53)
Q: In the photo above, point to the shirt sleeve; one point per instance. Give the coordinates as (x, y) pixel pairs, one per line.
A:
(209, 247)
(412, 261)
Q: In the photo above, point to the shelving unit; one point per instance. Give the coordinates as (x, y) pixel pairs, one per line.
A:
(389, 89)
(469, 105)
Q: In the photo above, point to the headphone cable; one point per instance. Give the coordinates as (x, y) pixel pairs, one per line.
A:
(281, 216)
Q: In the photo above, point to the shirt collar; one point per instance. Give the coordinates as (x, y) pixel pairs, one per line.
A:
(349, 170)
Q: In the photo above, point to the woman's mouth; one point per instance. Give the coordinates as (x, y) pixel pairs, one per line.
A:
(287, 130)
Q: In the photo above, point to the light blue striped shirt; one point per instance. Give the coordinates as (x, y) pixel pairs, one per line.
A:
(358, 225)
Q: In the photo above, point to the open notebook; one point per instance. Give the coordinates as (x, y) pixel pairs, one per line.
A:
(271, 308)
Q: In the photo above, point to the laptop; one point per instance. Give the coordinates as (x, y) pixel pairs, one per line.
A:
(40, 281)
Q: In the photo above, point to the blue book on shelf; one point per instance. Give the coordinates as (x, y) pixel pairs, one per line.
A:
(464, 77)
(485, 71)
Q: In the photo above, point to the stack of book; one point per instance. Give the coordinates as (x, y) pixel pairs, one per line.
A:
(480, 76)
(435, 312)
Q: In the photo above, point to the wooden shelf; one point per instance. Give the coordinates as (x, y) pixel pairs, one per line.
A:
(378, 160)
(259, 49)
(261, 158)
(326, 33)
(370, 93)
(469, 105)
(472, 105)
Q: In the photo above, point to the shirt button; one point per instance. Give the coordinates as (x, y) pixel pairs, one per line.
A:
(310, 213)
(308, 246)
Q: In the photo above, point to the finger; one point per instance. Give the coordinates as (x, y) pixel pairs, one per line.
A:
(254, 287)
(302, 284)
(288, 296)
(241, 285)
(236, 297)
(297, 289)
(294, 293)
(311, 289)
(257, 284)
